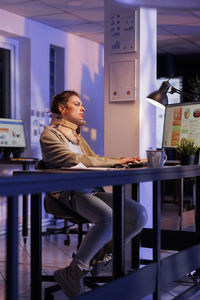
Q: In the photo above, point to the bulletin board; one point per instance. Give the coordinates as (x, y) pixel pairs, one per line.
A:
(122, 81)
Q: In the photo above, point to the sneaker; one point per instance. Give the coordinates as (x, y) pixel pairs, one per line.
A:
(101, 259)
(98, 265)
(70, 279)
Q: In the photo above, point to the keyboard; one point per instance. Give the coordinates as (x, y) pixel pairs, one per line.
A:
(135, 165)
(140, 164)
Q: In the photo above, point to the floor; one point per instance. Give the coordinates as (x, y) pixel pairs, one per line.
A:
(56, 255)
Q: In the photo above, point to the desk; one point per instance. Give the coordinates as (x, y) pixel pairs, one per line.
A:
(49, 180)
(24, 162)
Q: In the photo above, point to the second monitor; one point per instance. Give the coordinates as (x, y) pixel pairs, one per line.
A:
(181, 120)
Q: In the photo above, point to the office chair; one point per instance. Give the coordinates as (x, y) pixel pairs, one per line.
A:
(60, 211)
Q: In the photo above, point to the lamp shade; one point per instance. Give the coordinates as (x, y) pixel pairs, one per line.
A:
(159, 97)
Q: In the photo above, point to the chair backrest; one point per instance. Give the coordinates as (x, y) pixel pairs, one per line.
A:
(40, 165)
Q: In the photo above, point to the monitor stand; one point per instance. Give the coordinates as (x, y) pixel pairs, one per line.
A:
(16, 154)
(5, 154)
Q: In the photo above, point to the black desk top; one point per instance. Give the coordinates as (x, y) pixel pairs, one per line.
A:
(172, 162)
(51, 180)
(117, 175)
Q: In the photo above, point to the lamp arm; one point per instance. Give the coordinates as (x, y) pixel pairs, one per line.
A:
(187, 95)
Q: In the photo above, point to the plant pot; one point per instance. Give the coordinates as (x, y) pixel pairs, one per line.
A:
(187, 160)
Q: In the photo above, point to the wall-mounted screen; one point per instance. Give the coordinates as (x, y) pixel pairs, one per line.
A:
(181, 121)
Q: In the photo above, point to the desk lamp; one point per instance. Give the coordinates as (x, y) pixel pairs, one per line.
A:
(160, 99)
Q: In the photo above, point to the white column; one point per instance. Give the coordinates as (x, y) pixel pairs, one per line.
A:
(129, 76)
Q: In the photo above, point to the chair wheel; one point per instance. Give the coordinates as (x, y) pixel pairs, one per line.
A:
(67, 241)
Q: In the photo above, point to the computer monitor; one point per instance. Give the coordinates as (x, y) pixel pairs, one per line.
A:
(182, 120)
(12, 138)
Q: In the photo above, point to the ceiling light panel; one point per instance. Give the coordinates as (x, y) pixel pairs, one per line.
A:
(59, 20)
(73, 5)
(30, 9)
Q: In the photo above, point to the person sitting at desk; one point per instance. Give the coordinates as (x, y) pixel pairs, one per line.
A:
(63, 146)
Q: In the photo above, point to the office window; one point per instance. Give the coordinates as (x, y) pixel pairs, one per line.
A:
(56, 65)
(52, 72)
(5, 84)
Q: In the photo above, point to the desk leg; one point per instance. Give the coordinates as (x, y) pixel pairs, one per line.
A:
(180, 206)
(36, 255)
(118, 232)
(197, 207)
(156, 234)
(135, 242)
(12, 249)
(196, 197)
(25, 218)
(25, 211)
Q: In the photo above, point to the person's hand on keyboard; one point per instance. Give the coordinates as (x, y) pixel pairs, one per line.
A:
(134, 162)
(130, 160)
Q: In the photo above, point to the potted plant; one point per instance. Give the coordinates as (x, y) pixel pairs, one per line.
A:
(187, 151)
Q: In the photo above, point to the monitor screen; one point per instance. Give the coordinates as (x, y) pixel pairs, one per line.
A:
(181, 120)
(12, 133)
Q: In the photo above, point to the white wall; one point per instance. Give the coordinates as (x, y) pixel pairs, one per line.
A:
(83, 66)
(83, 72)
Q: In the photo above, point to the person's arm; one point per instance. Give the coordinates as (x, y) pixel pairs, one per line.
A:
(56, 152)
(120, 160)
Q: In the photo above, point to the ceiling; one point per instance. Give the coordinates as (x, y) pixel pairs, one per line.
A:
(178, 31)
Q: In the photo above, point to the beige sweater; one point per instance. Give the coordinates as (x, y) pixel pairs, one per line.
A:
(56, 152)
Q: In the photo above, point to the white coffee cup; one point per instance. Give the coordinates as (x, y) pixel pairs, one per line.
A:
(156, 158)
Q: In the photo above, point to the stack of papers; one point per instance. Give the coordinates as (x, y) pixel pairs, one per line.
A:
(82, 167)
